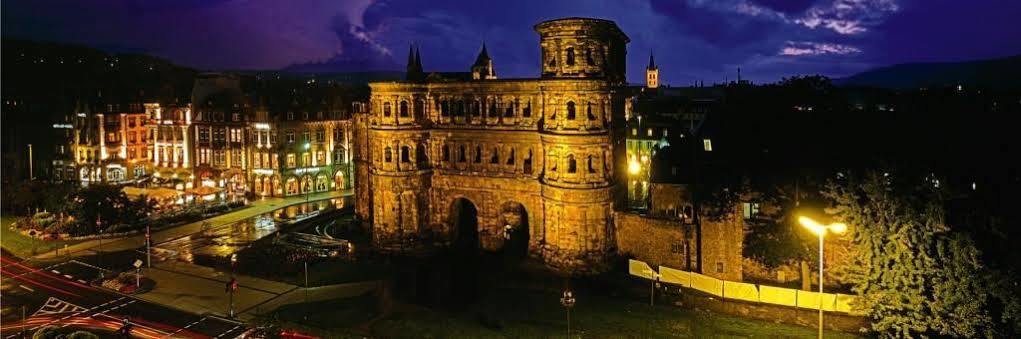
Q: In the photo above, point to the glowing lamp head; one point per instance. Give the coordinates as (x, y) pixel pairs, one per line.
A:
(634, 167)
(820, 229)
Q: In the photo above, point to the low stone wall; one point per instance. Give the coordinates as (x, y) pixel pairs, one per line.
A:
(776, 313)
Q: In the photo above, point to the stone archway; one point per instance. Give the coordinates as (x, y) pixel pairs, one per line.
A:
(338, 181)
(514, 220)
(464, 221)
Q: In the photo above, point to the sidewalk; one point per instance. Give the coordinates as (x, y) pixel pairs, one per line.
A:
(257, 207)
(203, 290)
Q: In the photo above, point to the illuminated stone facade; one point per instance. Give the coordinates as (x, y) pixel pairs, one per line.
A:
(534, 157)
(108, 143)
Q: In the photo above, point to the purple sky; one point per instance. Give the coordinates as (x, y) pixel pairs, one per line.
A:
(692, 39)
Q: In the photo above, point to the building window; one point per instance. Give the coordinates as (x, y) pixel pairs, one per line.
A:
(495, 158)
(320, 135)
(446, 153)
(572, 165)
(510, 158)
(570, 56)
(203, 135)
(388, 155)
(386, 109)
(751, 209)
(319, 115)
(588, 111)
(290, 137)
(291, 163)
(203, 155)
(404, 109)
(235, 158)
(219, 158)
(257, 161)
(719, 267)
(236, 117)
(570, 110)
(306, 159)
(321, 157)
(290, 115)
(405, 154)
(419, 108)
(478, 154)
(461, 157)
(527, 111)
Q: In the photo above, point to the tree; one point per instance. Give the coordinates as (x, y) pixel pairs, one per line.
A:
(917, 274)
(105, 203)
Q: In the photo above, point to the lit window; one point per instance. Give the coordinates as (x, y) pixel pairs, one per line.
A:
(291, 163)
(751, 209)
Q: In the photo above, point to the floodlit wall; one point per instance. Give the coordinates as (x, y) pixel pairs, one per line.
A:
(733, 290)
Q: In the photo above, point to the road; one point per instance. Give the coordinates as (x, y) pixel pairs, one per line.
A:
(59, 295)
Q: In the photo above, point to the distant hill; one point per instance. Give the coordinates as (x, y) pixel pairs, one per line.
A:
(993, 73)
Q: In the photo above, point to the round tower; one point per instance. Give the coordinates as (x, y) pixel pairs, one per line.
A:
(583, 48)
(583, 64)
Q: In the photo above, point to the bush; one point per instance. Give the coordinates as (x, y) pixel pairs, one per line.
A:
(82, 335)
(47, 332)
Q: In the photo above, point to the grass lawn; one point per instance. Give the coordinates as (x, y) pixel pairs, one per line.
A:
(21, 245)
(516, 313)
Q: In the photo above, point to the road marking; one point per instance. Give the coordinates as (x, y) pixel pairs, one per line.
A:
(27, 288)
(76, 313)
(228, 331)
(186, 327)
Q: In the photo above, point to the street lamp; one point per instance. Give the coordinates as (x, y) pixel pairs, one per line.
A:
(821, 230)
(568, 301)
(308, 185)
(233, 282)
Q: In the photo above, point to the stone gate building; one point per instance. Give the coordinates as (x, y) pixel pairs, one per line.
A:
(500, 163)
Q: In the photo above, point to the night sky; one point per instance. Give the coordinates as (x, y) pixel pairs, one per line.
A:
(692, 39)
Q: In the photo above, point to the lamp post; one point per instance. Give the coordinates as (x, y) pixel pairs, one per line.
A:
(233, 282)
(568, 301)
(821, 230)
(308, 146)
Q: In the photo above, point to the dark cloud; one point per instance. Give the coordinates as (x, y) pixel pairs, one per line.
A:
(692, 39)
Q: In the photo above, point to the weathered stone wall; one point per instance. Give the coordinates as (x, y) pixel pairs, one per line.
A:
(656, 241)
(722, 245)
(672, 242)
(670, 200)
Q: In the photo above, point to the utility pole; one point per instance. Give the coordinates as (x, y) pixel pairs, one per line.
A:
(31, 169)
(306, 290)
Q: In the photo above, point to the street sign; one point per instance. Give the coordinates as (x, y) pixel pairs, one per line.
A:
(138, 263)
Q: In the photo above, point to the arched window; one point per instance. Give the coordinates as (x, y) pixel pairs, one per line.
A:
(570, 110)
(386, 109)
(446, 153)
(572, 165)
(476, 108)
(405, 154)
(510, 159)
(570, 56)
(588, 111)
(403, 109)
(588, 57)
(461, 157)
(591, 168)
(478, 154)
(553, 62)
(421, 156)
(445, 108)
(419, 109)
(492, 109)
(527, 111)
(528, 163)
(552, 161)
(495, 157)
(388, 155)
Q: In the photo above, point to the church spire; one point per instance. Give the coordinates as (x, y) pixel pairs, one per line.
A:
(414, 70)
(483, 66)
(652, 62)
(652, 73)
